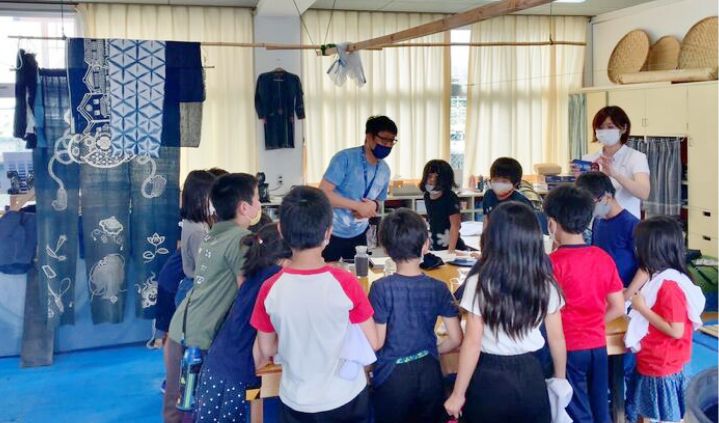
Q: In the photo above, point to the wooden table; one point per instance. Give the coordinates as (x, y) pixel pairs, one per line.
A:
(270, 375)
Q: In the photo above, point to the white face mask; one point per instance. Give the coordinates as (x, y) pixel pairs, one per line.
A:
(552, 233)
(257, 217)
(501, 188)
(429, 187)
(602, 208)
(609, 137)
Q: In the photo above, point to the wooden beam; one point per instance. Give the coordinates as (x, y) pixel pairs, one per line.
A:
(457, 20)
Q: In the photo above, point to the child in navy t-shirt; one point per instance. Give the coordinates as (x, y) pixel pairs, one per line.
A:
(613, 227)
(407, 378)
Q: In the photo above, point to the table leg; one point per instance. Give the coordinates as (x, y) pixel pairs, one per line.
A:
(256, 411)
(616, 371)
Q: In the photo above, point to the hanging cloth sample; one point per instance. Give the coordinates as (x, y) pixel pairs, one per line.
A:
(153, 223)
(184, 95)
(117, 91)
(25, 89)
(57, 184)
(278, 96)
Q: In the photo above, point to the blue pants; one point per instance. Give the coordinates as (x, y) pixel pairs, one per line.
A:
(588, 373)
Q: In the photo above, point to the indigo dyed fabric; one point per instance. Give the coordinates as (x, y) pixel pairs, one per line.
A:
(106, 219)
(57, 191)
(278, 97)
(155, 193)
(50, 115)
(184, 94)
(136, 71)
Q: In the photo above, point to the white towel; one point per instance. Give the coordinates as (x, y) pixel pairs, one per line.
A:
(639, 326)
(356, 353)
(560, 393)
(347, 65)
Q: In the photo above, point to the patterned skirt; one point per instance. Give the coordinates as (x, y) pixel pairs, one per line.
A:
(658, 398)
(220, 400)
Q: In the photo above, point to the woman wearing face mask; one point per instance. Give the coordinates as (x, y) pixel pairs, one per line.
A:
(628, 168)
(356, 179)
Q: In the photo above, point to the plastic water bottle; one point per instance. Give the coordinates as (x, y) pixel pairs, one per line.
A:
(191, 364)
(361, 261)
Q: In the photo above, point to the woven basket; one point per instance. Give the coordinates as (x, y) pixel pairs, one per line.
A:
(629, 55)
(699, 47)
(664, 54)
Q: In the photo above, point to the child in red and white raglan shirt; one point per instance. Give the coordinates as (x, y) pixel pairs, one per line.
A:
(303, 315)
(664, 314)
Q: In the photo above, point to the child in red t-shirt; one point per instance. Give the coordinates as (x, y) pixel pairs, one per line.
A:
(665, 312)
(592, 290)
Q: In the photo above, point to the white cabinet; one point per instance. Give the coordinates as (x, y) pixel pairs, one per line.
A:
(660, 111)
(702, 174)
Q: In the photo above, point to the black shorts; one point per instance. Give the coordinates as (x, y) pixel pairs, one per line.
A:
(355, 411)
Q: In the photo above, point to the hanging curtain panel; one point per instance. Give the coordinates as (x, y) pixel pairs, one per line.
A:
(577, 126)
(410, 85)
(517, 97)
(665, 173)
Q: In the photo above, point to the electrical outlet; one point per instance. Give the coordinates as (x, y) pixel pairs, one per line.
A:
(279, 180)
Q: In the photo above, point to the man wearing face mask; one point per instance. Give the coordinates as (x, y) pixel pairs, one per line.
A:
(505, 175)
(355, 181)
(627, 168)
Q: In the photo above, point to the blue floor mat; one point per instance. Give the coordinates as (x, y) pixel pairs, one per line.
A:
(123, 385)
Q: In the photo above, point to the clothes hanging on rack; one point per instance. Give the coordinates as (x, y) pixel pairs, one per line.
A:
(25, 90)
(184, 95)
(278, 97)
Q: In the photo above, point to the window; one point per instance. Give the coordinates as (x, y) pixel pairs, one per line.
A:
(458, 98)
(50, 54)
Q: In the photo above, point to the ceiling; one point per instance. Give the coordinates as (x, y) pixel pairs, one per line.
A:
(587, 8)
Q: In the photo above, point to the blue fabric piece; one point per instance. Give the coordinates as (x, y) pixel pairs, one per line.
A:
(136, 71)
(184, 83)
(58, 206)
(231, 352)
(18, 241)
(409, 306)
(39, 115)
(88, 80)
(167, 284)
(616, 237)
(106, 221)
(588, 373)
(490, 200)
(347, 172)
(154, 192)
(55, 103)
(659, 398)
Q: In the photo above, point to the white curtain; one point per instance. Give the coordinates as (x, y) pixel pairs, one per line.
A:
(408, 84)
(228, 124)
(517, 97)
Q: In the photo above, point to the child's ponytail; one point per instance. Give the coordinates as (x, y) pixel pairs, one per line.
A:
(264, 249)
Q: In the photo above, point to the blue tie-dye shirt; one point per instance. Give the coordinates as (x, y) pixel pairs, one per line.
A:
(347, 173)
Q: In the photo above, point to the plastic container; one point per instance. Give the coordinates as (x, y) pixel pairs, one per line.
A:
(361, 261)
(702, 397)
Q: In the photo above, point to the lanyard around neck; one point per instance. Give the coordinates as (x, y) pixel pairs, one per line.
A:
(368, 187)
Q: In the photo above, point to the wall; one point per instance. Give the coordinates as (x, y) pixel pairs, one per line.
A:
(286, 163)
(657, 18)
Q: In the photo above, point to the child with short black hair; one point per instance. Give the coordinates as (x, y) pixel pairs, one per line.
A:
(407, 378)
(505, 175)
(665, 313)
(593, 294)
(229, 367)
(613, 226)
(442, 206)
(303, 314)
(218, 272)
(510, 293)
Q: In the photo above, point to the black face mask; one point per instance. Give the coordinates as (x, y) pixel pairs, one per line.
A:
(380, 151)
